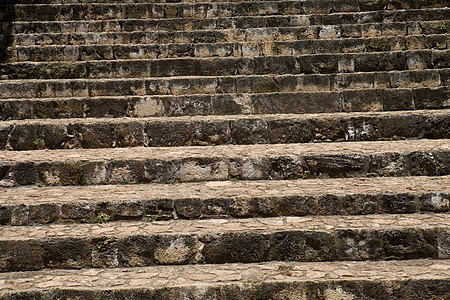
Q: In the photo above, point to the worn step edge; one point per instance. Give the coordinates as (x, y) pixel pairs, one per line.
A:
(225, 162)
(356, 100)
(314, 238)
(430, 14)
(217, 130)
(219, 66)
(65, 12)
(230, 199)
(59, 53)
(204, 85)
(411, 279)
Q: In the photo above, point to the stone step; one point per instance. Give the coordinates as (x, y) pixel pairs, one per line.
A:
(225, 162)
(105, 11)
(357, 100)
(411, 279)
(417, 20)
(228, 199)
(207, 85)
(225, 66)
(53, 53)
(218, 241)
(265, 34)
(218, 130)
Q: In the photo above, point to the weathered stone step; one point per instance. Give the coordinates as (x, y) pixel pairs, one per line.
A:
(232, 49)
(406, 280)
(198, 85)
(357, 100)
(372, 22)
(203, 163)
(103, 11)
(218, 130)
(225, 66)
(400, 30)
(229, 199)
(217, 241)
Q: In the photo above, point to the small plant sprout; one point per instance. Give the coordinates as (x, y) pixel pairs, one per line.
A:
(442, 27)
(315, 71)
(39, 184)
(101, 218)
(285, 270)
(151, 218)
(37, 141)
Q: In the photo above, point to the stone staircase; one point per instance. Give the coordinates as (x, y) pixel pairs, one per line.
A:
(224, 150)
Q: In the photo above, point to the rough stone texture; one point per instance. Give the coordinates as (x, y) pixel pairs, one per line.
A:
(319, 238)
(276, 280)
(183, 131)
(304, 131)
(280, 161)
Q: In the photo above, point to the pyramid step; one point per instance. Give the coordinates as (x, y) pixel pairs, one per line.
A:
(370, 100)
(225, 66)
(135, 35)
(228, 199)
(411, 279)
(208, 85)
(233, 49)
(102, 11)
(218, 241)
(372, 23)
(205, 163)
(241, 130)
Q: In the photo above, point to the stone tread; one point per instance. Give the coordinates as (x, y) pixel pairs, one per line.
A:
(216, 130)
(303, 102)
(128, 35)
(416, 19)
(11, 90)
(227, 151)
(223, 226)
(228, 199)
(220, 66)
(73, 11)
(240, 276)
(234, 49)
(30, 195)
(312, 238)
(224, 162)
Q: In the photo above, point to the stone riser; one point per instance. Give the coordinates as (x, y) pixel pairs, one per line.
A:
(229, 199)
(82, 211)
(67, 12)
(201, 131)
(138, 244)
(119, 52)
(394, 289)
(201, 86)
(372, 23)
(225, 66)
(248, 162)
(402, 31)
(229, 104)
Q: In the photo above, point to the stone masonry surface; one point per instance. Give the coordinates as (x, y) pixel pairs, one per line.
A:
(224, 149)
